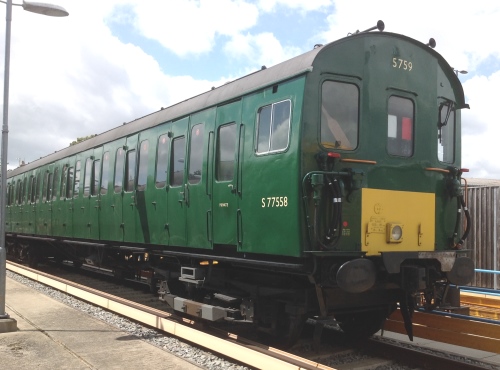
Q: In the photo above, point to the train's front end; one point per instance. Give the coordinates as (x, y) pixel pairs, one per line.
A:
(383, 200)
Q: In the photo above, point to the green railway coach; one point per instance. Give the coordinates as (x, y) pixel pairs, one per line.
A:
(327, 185)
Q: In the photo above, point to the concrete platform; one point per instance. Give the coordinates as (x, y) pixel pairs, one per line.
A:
(52, 335)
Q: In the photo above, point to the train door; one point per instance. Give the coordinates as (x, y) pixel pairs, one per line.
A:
(8, 207)
(177, 196)
(57, 220)
(17, 220)
(94, 194)
(158, 191)
(110, 221)
(45, 205)
(81, 193)
(142, 197)
(66, 198)
(198, 187)
(225, 178)
(24, 205)
(30, 203)
(129, 192)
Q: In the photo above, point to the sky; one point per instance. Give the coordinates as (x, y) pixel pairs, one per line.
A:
(112, 61)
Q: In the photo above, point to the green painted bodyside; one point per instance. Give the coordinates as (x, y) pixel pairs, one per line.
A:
(261, 210)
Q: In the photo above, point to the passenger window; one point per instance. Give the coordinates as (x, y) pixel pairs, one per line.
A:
(226, 148)
(161, 161)
(196, 154)
(96, 174)
(446, 136)
(55, 184)
(120, 161)
(130, 171)
(400, 126)
(273, 127)
(142, 177)
(76, 188)
(339, 115)
(177, 161)
(105, 174)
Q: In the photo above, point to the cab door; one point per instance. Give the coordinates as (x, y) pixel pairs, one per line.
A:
(226, 213)
(177, 196)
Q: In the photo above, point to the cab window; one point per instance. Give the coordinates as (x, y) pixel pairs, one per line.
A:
(446, 135)
(400, 126)
(339, 115)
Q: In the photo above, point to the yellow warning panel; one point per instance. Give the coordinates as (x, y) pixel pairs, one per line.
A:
(397, 221)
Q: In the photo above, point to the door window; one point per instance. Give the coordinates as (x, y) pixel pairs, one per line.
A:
(88, 177)
(142, 177)
(55, 184)
(226, 148)
(105, 174)
(161, 161)
(120, 161)
(95, 176)
(130, 171)
(196, 154)
(77, 179)
(177, 161)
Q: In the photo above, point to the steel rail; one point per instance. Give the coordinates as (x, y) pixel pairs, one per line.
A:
(253, 355)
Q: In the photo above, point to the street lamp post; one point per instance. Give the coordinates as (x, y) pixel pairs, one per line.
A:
(40, 8)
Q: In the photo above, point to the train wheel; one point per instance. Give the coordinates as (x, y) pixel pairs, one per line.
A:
(33, 258)
(361, 324)
(292, 329)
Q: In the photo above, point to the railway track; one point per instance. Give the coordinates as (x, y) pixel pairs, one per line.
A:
(133, 301)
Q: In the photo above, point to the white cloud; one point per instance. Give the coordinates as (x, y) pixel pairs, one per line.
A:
(308, 5)
(263, 48)
(191, 27)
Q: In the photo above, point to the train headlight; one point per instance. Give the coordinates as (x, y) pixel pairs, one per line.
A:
(394, 233)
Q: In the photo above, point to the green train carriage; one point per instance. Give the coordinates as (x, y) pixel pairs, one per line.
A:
(328, 185)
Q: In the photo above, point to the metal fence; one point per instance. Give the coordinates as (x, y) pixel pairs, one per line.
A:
(483, 200)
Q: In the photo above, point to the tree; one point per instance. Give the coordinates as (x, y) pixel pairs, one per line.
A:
(80, 139)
